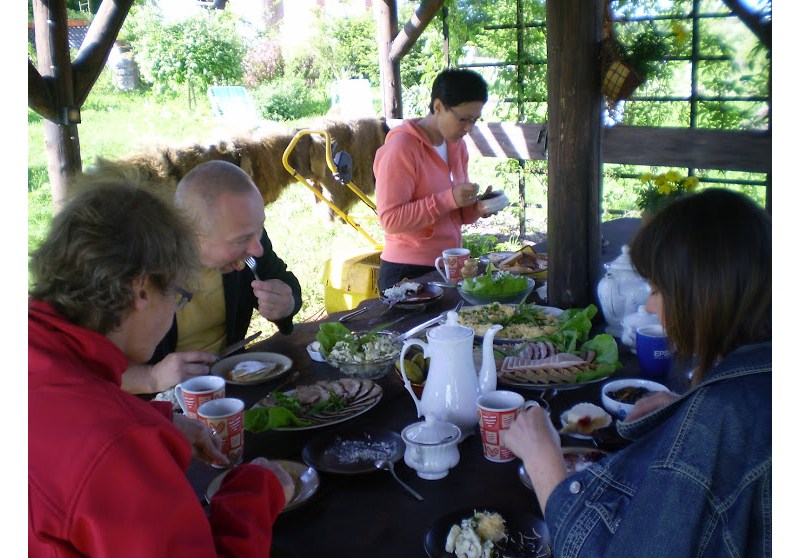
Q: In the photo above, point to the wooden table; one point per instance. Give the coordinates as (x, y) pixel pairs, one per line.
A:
(369, 514)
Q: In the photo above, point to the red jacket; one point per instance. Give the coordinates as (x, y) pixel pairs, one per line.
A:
(414, 196)
(106, 470)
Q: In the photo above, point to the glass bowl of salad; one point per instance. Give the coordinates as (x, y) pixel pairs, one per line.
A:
(362, 354)
(498, 286)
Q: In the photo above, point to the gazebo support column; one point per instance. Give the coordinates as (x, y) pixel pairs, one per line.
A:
(574, 135)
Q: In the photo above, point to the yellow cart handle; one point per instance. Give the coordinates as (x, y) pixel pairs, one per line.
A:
(335, 171)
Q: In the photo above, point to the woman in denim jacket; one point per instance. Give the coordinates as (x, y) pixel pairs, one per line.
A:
(696, 481)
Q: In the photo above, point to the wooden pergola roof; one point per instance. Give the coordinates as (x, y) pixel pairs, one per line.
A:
(578, 142)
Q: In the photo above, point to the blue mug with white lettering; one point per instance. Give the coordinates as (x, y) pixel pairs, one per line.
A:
(653, 350)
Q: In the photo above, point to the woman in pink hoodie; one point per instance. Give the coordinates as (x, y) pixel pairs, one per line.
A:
(423, 191)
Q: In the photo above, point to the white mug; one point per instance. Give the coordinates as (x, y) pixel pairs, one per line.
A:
(453, 261)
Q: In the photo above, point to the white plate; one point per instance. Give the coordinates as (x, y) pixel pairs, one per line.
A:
(306, 483)
(224, 366)
(360, 404)
(564, 422)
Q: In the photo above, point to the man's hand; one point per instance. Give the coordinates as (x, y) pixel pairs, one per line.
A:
(172, 370)
(206, 447)
(275, 298)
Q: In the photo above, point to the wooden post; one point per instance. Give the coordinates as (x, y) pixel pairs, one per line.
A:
(386, 19)
(61, 136)
(574, 147)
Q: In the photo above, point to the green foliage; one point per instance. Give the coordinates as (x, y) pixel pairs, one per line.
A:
(263, 63)
(289, 98)
(346, 48)
(198, 52)
(479, 244)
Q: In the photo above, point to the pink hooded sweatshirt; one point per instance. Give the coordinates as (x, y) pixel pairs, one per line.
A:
(414, 194)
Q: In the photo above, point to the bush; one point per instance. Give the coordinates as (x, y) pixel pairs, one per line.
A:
(199, 51)
(263, 63)
(289, 98)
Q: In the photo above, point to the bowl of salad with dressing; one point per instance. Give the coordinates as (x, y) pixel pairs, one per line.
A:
(369, 354)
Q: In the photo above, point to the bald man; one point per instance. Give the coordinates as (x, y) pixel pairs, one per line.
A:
(227, 213)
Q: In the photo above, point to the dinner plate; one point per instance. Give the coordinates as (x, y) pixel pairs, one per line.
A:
(361, 403)
(502, 379)
(223, 367)
(497, 257)
(577, 435)
(499, 340)
(528, 536)
(430, 293)
(575, 458)
(306, 483)
(353, 451)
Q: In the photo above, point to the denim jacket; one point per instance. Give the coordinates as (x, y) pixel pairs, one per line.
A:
(696, 481)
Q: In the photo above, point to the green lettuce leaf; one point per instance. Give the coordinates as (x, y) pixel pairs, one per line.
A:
(491, 284)
(261, 419)
(606, 355)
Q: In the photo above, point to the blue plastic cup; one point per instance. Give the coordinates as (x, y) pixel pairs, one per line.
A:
(653, 351)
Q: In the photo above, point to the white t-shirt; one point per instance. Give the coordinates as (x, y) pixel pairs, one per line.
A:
(441, 149)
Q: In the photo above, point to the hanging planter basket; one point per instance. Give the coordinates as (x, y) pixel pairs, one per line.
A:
(619, 79)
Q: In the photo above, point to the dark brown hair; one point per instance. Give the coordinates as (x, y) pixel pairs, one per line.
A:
(709, 255)
(108, 235)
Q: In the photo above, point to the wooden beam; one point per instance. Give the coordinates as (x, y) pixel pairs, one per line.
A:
(693, 148)
(752, 20)
(405, 40)
(94, 51)
(40, 95)
(732, 150)
(386, 20)
(574, 150)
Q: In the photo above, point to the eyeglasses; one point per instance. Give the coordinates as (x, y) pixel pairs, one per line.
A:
(182, 297)
(463, 119)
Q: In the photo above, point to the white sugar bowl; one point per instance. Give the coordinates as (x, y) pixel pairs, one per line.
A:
(431, 448)
(632, 322)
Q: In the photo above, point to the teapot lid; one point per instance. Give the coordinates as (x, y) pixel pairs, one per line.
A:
(622, 262)
(451, 330)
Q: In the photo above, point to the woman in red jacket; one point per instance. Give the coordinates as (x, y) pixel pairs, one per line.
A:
(106, 470)
(422, 186)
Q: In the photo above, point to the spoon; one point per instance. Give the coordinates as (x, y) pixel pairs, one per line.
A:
(389, 466)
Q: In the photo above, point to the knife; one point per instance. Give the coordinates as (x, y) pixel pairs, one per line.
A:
(236, 346)
(433, 321)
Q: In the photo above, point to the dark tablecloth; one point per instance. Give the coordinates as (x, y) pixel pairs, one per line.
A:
(369, 514)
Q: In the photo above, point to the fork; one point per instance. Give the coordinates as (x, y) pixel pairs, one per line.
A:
(251, 263)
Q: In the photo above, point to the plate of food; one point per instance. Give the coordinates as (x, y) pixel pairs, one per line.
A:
(525, 261)
(480, 531)
(306, 483)
(353, 451)
(313, 406)
(583, 419)
(248, 369)
(576, 459)
(410, 294)
(519, 321)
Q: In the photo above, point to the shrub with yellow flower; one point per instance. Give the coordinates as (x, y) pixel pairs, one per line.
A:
(658, 190)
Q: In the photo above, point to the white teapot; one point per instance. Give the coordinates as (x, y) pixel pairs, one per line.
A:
(621, 291)
(452, 386)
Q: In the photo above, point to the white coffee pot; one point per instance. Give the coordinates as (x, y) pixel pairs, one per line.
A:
(453, 385)
(621, 291)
